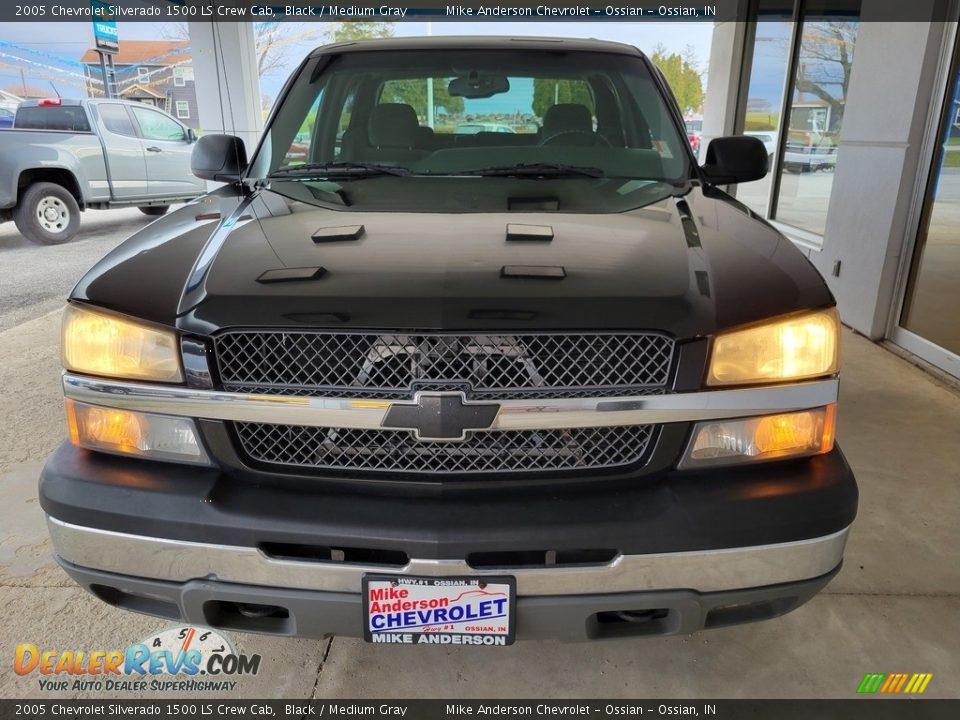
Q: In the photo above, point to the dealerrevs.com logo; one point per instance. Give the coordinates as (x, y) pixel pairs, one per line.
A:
(179, 659)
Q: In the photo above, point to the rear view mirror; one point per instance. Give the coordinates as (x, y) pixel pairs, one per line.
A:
(222, 158)
(735, 159)
(191, 135)
(478, 86)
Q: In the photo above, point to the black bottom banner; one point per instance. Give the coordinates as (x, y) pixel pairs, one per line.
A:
(860, 709)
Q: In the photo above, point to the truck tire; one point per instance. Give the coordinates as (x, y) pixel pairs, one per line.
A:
(47, 214)
(156, 210)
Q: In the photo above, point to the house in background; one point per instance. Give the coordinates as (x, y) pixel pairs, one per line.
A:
(13, 95)
(153, 72)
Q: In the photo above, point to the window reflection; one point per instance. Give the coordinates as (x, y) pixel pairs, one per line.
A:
(932, 303)
(824, 64)
(768, 78)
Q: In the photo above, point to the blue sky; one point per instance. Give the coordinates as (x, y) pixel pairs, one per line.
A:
(48, 53)
(770, 56)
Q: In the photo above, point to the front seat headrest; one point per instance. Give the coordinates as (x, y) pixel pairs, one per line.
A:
(393, 125)
(567, 117)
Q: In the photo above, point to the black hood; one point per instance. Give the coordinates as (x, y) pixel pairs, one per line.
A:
(688, 266)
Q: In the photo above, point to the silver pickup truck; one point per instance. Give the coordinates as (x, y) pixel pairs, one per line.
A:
(65, 156)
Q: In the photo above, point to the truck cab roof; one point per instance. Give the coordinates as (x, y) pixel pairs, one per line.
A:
(481, 42)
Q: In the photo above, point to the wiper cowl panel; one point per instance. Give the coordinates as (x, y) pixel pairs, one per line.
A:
(337, 170)
(545, 169)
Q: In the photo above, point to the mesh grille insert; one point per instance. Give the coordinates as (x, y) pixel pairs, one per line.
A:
(395, 365)
(492, 451)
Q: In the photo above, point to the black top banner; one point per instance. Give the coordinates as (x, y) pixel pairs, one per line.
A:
(453, 709)
(465, 10)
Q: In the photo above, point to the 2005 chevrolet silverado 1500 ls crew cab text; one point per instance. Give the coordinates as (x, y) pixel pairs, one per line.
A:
(422, 386)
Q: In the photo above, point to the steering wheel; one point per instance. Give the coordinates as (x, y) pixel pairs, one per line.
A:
(593, 138)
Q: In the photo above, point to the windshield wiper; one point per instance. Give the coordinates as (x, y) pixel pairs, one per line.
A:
(539, 169)
(339, 169)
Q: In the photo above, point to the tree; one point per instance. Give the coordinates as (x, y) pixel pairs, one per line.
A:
(825, 63)
(682, 76)
(361, 30)
(548, 92)
(413, 92)
(273, 40)
(269, 40)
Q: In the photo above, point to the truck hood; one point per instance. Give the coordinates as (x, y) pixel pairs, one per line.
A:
(688, 266)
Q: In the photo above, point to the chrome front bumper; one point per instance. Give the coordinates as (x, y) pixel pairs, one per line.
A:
(526, 414)
(701, 571)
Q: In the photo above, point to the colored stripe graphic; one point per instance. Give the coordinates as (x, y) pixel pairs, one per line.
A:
(918, 683)
(870, 683)
(890, 682)
(894, 683)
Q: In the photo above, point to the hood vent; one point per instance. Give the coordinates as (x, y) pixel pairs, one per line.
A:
(529, 232)
(338, 234)
(539, 272)
(291, 274)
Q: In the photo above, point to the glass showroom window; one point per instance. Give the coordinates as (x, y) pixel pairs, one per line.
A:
(764, 102)
(803, 62)
(932, 303)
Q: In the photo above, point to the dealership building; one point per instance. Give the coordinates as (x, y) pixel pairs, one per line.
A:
(865, 173)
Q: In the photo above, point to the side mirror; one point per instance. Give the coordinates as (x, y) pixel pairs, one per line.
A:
(221, 158)
(735, 159)
(191, 136)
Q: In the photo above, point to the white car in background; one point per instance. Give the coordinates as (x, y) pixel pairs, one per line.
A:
(799, 157)
(810, 157)
(473, 128)
(769, 140)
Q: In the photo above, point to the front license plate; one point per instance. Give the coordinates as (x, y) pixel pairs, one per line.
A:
(439, 610)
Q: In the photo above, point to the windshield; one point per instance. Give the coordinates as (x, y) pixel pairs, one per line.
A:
(392, 118)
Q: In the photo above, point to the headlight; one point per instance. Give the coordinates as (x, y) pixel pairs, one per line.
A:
(798, 347)
(146, 435)
(103, 344)
(769, 437)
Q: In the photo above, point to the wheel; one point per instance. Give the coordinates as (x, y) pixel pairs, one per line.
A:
(47, 214)
(156, 210)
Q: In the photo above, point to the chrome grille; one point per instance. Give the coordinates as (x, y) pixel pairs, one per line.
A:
(498, 366)
(492, 451)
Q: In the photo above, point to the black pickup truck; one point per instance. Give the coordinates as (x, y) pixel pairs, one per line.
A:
(416, 385)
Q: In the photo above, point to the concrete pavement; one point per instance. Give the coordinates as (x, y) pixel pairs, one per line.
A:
(44, 274)
(895, 607)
